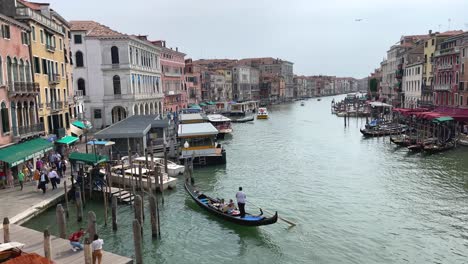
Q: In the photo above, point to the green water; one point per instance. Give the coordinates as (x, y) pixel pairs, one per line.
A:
(355, 200)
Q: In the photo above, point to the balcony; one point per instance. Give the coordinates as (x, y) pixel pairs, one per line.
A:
(23, 88)
(55, 105)
(28, 131)
(426, 89)
(25, 12)
(54, 79)
(445, 67)
(427, 104)
(173, 74)
(172, 92)
(442, 87)
(50, 48)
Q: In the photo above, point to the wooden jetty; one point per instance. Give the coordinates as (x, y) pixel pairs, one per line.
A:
(60, 248)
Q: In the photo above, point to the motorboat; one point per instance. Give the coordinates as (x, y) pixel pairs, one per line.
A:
(222, 123)
(262, 113)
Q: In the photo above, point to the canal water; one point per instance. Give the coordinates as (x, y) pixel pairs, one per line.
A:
(354, 200)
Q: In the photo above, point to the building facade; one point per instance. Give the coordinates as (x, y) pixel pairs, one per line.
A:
(193, 78)
(119, 75)
(173, 77)
(412, 84)
(18, 92)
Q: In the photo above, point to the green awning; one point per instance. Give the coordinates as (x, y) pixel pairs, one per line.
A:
(442, 119)
(90, 158)
(211, 103)
(202, 104)
(79, 124)
(67, 140)
(195, 106)
(22, 152)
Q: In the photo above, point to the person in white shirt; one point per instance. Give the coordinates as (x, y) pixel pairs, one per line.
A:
(53, 177)
(241, 199)
(97, 249)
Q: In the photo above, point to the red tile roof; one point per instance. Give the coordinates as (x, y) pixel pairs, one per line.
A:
(33, 5)
(94, 29)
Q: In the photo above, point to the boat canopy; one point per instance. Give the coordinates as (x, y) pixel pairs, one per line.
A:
(197, 129)
(218, 118)
(67, 140)
(442, 119)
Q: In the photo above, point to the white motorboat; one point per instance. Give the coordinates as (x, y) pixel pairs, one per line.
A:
(173, 169)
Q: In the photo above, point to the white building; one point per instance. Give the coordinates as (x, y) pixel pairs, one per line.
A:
(412, 82)
(118, 74)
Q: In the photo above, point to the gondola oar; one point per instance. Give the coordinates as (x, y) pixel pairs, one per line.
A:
(280, 218)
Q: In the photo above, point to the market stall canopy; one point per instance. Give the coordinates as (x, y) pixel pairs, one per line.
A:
(67, 140)
(82, 124)
(202, 104)
(100, 143)
(87, 158)
(22, 152)
(442, 119)
(195, 106)
(211, 103)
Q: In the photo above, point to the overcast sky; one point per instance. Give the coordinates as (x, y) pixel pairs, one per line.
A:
(320, 37)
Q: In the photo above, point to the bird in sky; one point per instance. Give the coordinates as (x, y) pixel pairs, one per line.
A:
(358, 19)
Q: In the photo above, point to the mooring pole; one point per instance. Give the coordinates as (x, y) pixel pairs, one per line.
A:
(61, 222)
(114, 213)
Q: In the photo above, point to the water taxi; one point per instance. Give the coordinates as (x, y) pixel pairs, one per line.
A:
(302, 104)
(222, 123)
(262, 113)
(198, 142)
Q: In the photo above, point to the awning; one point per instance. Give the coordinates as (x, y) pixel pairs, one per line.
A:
(211, 103)
(100, 143)
(195, 106)
(22, 152)
(202, 104)
(442, 119)
(79, 124)
(67, 140)
(90, 158)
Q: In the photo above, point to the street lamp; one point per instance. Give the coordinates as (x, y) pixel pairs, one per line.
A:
(186, 144)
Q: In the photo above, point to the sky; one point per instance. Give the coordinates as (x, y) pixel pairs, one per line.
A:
(319, 37)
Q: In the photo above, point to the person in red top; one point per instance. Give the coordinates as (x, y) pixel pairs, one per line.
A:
(75, 239)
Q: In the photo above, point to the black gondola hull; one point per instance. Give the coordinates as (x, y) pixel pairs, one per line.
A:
(227, 217)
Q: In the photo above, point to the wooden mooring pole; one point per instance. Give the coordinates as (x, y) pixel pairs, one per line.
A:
(137, 241)
(104, 194)
(138, 209)
(6, 230)
(114, 213)
(92, 227)
(153, 216)
(161, 183)
(88, 253)
(47, 252)
(65, 189)
(61, 221)
(79, 206)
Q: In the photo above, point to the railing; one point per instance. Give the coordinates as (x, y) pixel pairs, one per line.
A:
(54, 79)
(23, 131)
(445, 67)
(23, 88)
(442, 87)
(50, 48)
(422, 103)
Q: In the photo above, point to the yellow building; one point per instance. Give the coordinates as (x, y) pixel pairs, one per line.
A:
(50, 59)
(430, 47)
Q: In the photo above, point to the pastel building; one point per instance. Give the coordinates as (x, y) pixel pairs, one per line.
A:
(412, 84)
(119, 75)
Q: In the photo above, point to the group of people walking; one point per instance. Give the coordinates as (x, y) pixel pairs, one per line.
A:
(49, 172)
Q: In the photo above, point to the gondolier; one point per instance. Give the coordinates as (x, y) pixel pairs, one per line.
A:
(241, 197)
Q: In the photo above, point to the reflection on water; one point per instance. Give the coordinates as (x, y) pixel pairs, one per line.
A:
(355, 200)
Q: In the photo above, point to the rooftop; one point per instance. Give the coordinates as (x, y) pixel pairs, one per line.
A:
(198, 129)
(191, 117)
(135, 126)
(94, 29)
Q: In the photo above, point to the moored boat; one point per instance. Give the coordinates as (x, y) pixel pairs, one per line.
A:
(209, 204)
(302, 104)
(173, 169)
(262, 113)
(222, 123)
(243, 120)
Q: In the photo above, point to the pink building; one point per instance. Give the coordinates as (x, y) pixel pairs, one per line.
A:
(193, 76)
(19, 116)
(172, 77)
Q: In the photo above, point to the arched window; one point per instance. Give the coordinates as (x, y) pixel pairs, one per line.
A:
(27, 68)
(5, 118)
(1, 71)
(21, 70)
(79, 59)
(81, 86)
(116, 82)
(14, 67)
(456, 78)
(115, 55)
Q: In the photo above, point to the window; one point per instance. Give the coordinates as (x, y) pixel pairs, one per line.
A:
(42, 36)
(79, 59)
(5, 118)
(115, 55)
(77, 39)
(6, 31)
(63, 70)
(60, 44)
(433, 41)
(463, 52)
(24, 38)
(1, 71)
(33, 33)
(458, 59)
(425, 44)
(37, 65)
(97, 114)
(81, 86)
(116, 82)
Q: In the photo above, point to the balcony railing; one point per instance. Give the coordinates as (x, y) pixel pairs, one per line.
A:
(24, 131)
(22, 12)
(50, 48)
(442, 87)
(19, 88)
(54, 79)
(445, 67)
(55, 105)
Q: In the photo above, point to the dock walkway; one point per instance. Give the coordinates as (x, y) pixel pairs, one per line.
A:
(61, 249)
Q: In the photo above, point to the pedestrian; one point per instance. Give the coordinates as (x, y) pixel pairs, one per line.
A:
(75, 239)
(241, 199)
(54, 178)
(37, 177)
(2, 179)
(97, 249)
(31, 169)
(39, 164)
(21, 179)
(60, 168)
(43, 180)
(26, 172)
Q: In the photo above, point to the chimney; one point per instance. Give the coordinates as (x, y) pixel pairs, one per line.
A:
(176, 49)
(8, 7)
(430, 32)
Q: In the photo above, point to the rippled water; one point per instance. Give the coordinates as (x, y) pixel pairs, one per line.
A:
(355, 200)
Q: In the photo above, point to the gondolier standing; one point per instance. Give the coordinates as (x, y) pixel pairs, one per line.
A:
(240, 196)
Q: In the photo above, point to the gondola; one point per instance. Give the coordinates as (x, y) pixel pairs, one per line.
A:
(249, 220)
(243, 120)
